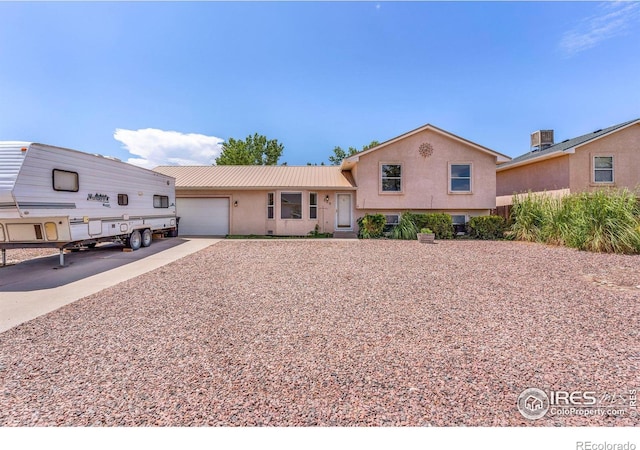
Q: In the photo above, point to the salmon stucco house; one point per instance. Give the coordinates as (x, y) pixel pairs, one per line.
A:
(603, 158)
(424, 170)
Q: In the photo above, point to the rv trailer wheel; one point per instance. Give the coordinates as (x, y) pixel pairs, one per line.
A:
(135, 240)
(147, 237)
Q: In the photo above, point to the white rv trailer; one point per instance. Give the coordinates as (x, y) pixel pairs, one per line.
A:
(56, 197)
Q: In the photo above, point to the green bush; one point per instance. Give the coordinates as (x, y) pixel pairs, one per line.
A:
(440, 223)
(600, 221)
(371, 226)
(406, 228)
(528, 216)
(487, 227)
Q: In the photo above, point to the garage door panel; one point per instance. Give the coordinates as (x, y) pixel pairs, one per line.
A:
(203, 216)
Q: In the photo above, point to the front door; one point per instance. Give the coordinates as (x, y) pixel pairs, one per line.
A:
(343, 219)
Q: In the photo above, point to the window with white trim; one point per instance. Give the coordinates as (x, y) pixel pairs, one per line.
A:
(313, 205)
(271, 205)
(391, 177)
(291, 205)
(460, 177)
(603, 169)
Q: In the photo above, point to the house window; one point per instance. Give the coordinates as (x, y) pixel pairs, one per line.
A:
(459, 223)
(391, 221)
(123, 199)
(291, 205)
(66, 181)
(391, 177)
(271, 205)
(313, 205)
(160, 201)
(460, 177)
(603, 169)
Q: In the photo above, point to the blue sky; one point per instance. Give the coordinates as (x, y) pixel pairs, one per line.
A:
(167, 82)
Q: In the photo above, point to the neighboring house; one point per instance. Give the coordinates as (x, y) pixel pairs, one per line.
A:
(424, 170)
(604, 158)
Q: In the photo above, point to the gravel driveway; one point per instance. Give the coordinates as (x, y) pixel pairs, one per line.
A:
(339, 333)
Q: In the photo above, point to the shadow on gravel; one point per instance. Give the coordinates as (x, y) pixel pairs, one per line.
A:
(46, 272)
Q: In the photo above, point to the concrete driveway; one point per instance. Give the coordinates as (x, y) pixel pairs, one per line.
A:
(35, 287)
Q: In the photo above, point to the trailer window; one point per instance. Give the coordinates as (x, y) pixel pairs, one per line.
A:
(64, 180)
(160, 201)
(123, 199)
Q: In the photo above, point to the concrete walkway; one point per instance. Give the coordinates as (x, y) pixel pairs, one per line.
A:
(20, 307)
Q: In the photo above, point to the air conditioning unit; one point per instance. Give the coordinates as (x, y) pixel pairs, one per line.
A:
(541, 139)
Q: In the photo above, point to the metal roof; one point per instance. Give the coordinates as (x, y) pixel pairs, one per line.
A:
(258, 177)
(564, 147)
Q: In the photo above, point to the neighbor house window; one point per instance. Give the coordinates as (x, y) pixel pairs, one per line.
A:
(123, 199)
(64, 180)
(603, 169)
(460, 177)
(160, 201)
(313, 205)
(271, 205)
(291, 205)
(391, 177)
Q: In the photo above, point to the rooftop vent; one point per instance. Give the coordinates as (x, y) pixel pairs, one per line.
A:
(598, 131)
(541, 139)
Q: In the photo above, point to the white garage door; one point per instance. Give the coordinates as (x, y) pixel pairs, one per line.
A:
(203, 216)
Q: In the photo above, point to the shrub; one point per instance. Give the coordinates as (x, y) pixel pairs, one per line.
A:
(604, 222)
(406, 228)
(487, 227)
(371, 226)
(440, 223)
(528, 216)
(600, 221)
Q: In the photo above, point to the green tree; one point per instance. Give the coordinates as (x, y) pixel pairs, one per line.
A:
(255, 150)
(339, 154)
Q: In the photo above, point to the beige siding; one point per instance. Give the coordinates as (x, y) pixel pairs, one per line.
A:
(426, 179)
(548, 175)
(250, 214)
(624, 146)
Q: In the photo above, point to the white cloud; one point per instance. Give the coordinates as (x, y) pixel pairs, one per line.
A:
(614, 20)
(152, 147)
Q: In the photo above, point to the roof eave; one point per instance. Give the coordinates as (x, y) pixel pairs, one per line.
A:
(266, 188)
(535, 159)
(355, 158)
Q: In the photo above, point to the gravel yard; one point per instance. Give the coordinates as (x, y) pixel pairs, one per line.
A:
(338, 333)
(16, 255)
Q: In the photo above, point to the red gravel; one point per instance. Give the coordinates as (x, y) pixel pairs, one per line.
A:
(339, 333)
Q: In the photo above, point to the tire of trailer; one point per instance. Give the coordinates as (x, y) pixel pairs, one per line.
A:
(135, 240)
(147, 237)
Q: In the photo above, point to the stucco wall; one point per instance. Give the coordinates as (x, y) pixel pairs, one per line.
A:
(547, 175)
(425, 180)
(250, 216)
(624, 146)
